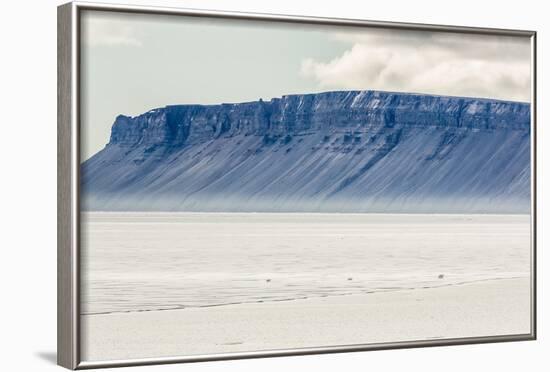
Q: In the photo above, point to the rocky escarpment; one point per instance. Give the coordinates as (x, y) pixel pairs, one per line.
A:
(363, 151)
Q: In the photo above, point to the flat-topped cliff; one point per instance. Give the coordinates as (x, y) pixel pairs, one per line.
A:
(352, 151)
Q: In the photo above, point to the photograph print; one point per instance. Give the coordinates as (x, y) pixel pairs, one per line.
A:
(249, 185)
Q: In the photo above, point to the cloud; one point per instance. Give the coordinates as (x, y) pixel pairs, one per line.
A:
(98, 31)
(428, 62)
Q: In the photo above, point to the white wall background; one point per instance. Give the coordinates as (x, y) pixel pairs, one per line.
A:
(28, 184)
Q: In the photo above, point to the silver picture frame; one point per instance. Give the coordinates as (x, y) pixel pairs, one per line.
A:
(68, 194)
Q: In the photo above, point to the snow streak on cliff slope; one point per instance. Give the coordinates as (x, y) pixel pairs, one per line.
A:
(353, 151)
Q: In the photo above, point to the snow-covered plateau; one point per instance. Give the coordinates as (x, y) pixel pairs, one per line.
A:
(345, 151)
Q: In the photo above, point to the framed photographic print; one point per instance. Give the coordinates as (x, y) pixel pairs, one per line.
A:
(236, 185)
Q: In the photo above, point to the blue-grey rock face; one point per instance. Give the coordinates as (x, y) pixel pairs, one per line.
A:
(358, 151)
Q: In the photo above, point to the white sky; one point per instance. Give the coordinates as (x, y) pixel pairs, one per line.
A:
(132, 63)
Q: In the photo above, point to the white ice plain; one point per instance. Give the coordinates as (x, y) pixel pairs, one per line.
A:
(177, 284)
